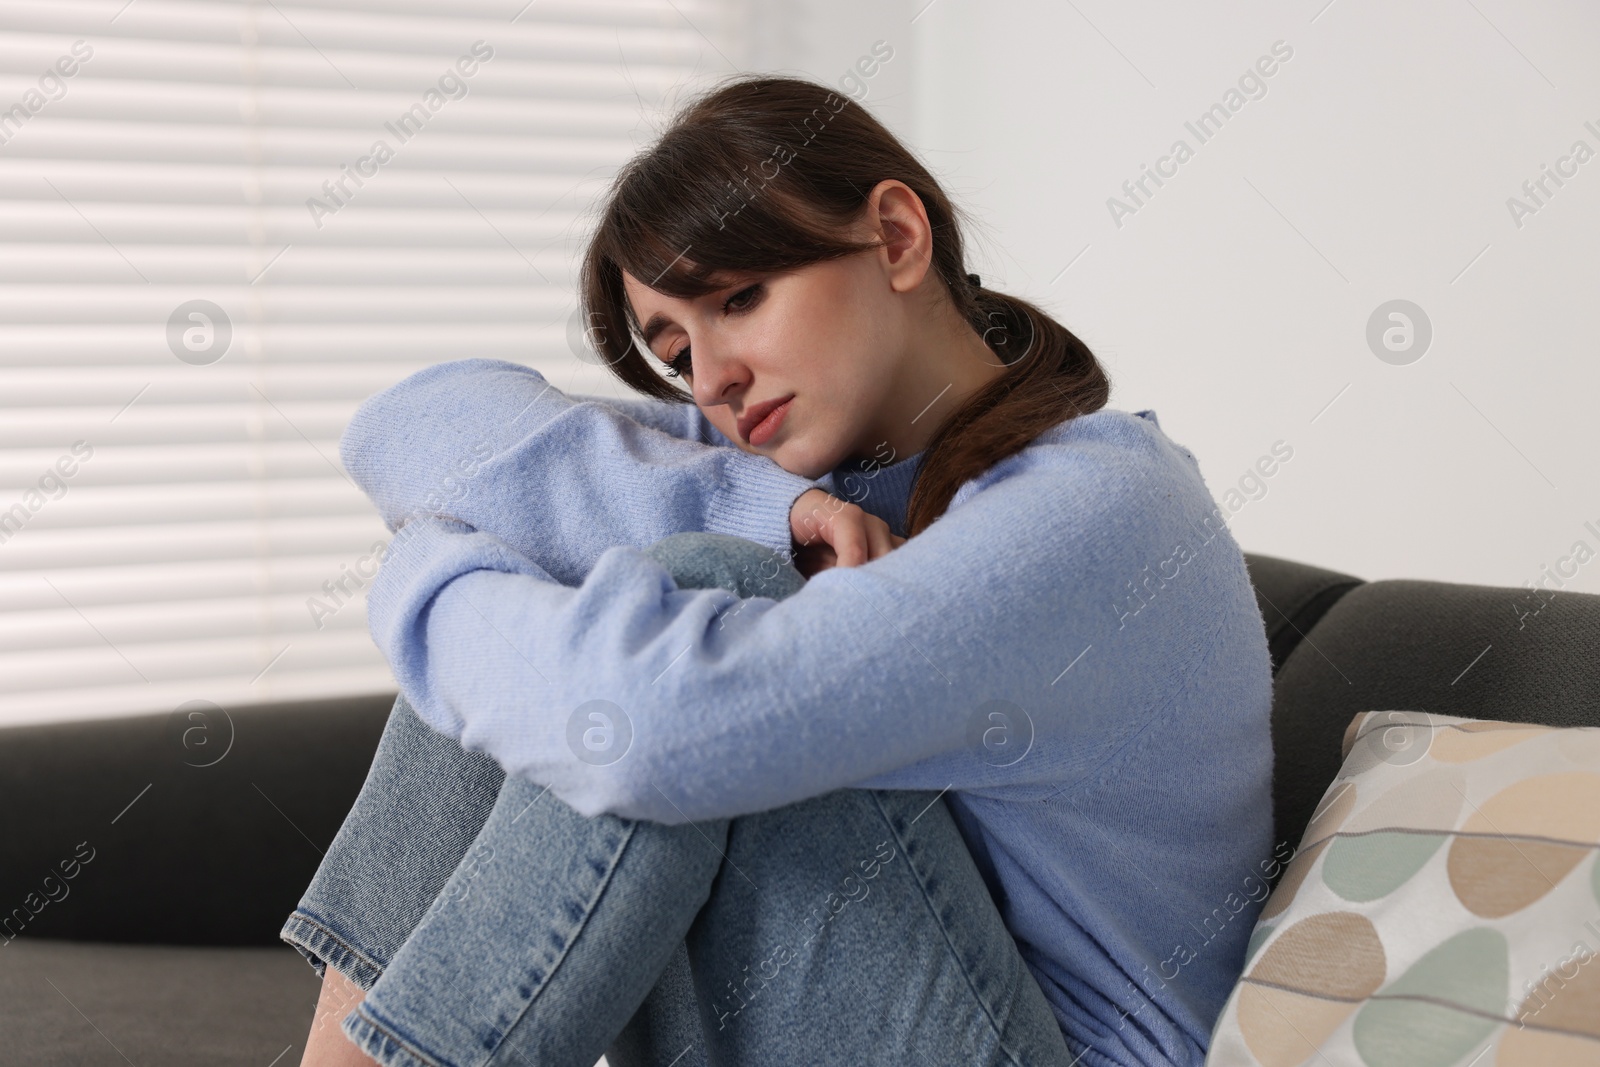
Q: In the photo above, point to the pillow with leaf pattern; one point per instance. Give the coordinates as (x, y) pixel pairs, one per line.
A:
(1443, 909)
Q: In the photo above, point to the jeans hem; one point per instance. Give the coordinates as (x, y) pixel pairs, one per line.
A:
(321, 947)
(382, 1044)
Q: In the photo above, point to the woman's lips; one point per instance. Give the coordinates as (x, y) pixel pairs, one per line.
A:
(762, 431)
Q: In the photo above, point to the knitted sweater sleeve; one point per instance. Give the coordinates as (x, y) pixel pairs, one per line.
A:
(628, 695)
(559, 478)
(685, 421)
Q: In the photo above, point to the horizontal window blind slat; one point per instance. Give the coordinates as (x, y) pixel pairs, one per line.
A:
(436, 146)
(155, 583)
(174, 542)
(173, 16)
(168, 660)
(274, 462)
(498, 267)
(309, 274)
(80, 507)
(315, 420)
(331, 29)
(131, 629)
(306, 397)
(90, 226)
(307, 115)
(152, 304)
(195, 182)
(119, 344)
(221, 383)
(533, 76)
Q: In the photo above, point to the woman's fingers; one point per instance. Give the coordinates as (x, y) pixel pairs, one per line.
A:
(861, 538)
(811, 515)
(849, 539)
(881, 539)
(850, 535)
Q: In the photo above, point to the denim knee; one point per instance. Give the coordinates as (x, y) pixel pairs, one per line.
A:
(699, 560)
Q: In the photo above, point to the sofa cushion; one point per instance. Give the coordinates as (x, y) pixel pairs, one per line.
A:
(1466, 650)
(67, 1003)
(1445, 899)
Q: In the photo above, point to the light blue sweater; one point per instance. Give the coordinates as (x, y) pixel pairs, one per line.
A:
(1089, 583)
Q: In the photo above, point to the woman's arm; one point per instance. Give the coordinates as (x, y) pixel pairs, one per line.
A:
(559, 478)
(880, 675)
(683, 421)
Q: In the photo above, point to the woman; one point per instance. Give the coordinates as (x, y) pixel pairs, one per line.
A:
(930, 726)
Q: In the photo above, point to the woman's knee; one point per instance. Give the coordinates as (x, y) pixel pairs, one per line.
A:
(700, 560)
(822, 839)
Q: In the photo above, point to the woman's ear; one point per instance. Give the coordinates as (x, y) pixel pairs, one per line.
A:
(900, 219)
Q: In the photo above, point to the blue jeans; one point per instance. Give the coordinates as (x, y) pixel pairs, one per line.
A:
(489, 923)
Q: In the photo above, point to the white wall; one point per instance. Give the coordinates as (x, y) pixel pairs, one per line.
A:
(1377, 166)
(1235, 301)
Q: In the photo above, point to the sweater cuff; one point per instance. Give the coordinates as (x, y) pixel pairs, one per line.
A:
(755, 497)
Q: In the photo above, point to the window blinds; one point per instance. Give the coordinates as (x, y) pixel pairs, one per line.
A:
(221, 226)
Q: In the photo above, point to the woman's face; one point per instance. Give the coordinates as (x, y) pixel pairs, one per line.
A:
(830, 335)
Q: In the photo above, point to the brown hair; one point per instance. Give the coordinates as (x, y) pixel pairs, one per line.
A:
(763, 174)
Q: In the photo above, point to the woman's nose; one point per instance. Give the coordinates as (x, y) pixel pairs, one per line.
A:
(718, 378)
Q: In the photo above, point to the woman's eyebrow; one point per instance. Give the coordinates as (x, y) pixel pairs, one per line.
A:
(657, 323)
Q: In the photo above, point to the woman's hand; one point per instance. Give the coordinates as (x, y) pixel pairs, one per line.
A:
(836, 533)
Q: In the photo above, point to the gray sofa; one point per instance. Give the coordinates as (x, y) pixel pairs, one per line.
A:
(162, 948)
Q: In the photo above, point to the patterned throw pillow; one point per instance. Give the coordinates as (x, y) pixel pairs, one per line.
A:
(1443, 909)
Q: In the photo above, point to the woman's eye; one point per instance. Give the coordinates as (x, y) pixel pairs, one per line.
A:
(743, 300)
(752, 292)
